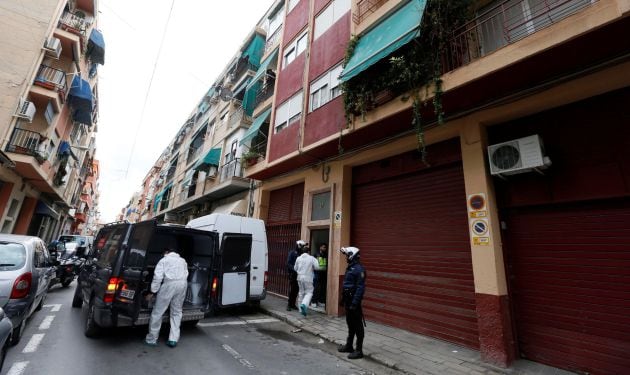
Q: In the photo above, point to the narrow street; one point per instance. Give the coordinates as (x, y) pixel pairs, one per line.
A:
(248, 343)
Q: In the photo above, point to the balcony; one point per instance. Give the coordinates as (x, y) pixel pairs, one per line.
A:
(239, 116)
(504, 23)
(365, 8)
(266, 91)
(74, 23)
(28, 142)
(272, 41)
(230, 169)
(242, 66)
(51, 79)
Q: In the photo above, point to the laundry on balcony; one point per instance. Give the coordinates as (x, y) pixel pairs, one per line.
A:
(212, 158)
(81, 100)
(397, 30)
(255, 128)
(66, 150)
(96, 47)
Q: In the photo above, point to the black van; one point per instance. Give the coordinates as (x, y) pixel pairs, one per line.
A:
(116, 277)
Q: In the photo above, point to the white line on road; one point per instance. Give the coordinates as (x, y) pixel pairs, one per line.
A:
(46, 322)
(238, 322)
(33, 343)
(55, 307)
(18, 368)
(238, 357)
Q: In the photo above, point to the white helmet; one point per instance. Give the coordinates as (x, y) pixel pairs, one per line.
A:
(350, 252)
(300, 243)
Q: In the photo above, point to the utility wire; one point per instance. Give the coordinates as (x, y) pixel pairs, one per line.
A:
(146, 97)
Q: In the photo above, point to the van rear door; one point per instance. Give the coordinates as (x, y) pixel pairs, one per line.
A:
(131, 283)
(234, 260)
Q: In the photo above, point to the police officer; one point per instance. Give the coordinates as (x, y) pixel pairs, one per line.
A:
(353, 289)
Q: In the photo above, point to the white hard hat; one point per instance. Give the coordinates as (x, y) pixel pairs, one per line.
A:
(300, 243)
(350, 251)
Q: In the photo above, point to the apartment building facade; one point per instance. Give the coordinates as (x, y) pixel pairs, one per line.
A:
(48, 112)
(508, 233)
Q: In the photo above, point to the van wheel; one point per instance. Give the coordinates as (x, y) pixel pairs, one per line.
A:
(17, 333)
(91, 329)
(190, 323)
(77, 300)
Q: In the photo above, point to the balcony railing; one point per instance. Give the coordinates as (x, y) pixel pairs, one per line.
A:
(505, 23)
(238, 116)
(265, 92)
(241, 68)
(51, 78)
(365, 8)
(273, 40)
(29, 143)
(74, 23)
(231, 169)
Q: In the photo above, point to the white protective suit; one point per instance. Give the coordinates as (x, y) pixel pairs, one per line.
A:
(170, 284)
(305, 265)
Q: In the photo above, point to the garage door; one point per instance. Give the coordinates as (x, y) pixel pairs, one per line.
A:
(413, 234)
(569, 269)
(284, 225)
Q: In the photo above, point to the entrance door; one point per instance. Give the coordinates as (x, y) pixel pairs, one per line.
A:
(320, 237)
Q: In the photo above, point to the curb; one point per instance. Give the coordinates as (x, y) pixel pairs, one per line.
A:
(283, 317)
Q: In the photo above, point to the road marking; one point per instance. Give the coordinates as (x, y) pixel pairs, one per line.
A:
(238, 357)
(46, 322)
(33, 343)
(55, 307)
(238, 322)
(17, 368)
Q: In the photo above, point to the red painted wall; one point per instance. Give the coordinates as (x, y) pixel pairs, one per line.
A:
(329, 49)
(290, 79)
(324, 121)
(25, 216)
(295, 21)
(5, 194)
(589, 145)
(284, 142)
(320, 4)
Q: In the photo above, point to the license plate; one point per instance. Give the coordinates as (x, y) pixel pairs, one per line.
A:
(127, 293)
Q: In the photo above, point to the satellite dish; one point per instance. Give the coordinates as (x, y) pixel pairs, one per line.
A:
(225, 94)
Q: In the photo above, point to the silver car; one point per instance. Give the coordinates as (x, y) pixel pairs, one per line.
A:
(25, 273)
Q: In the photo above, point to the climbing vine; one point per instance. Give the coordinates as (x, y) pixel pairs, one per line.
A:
(406, 71)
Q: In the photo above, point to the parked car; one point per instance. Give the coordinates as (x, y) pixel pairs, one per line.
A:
(6, 329)
(84, 243)
(25, 272)
(67, 261)
(117, 273)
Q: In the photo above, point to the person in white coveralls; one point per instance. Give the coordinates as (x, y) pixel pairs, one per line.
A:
(170, 284)
(305, 265)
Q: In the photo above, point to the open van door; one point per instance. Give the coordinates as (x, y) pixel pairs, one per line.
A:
(234, 260)
(131, 277)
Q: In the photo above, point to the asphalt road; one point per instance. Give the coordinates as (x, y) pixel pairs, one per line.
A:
(232, 343)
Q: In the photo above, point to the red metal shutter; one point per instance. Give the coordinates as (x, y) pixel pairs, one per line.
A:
(284, 225)
(569, 268)
(412, 230)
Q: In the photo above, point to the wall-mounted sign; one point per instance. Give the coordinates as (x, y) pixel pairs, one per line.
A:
(337, 219)
(478, 217)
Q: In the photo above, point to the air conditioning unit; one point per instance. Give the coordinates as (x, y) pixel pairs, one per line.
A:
(53, 47)
(518, 156)
(212, 172)
(26, 110)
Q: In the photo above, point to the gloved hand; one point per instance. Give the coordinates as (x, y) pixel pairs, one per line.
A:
(352, 307)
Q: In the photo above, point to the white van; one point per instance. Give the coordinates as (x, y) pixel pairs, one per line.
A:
(225, 223)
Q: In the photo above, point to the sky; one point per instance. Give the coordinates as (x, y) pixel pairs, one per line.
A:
(201, 38)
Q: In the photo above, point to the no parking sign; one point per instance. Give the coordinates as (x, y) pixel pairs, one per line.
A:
(478, 219)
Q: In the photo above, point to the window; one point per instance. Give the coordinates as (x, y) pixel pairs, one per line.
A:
(275, 21)
(330, 15)
(294, 49)
(196, 144)
(224, 116)
(107, 245)
(50, 113)
(325, 88)
(288, 112)
(321, 206)
(292, 4)
(172, 168)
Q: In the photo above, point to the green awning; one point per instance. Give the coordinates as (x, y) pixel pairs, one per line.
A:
(263, 68)
(211, 158)
(157, 200)
(394, 32)
(249, 99)
(254, 49)
(255, 128)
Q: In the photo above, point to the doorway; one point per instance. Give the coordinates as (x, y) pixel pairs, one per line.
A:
(320, 237)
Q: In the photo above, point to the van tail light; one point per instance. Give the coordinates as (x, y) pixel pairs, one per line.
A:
(22, 286)
(112, 287)
(215, 280)
(265, 282)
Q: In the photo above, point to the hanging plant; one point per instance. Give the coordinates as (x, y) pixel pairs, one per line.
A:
(406, 71)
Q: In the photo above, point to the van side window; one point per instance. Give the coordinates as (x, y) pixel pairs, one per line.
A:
(138, 244)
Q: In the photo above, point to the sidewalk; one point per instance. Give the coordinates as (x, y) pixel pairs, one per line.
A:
(399, 349)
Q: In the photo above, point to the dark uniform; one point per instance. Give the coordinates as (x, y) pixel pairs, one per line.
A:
(293, 284)
(353, 289)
